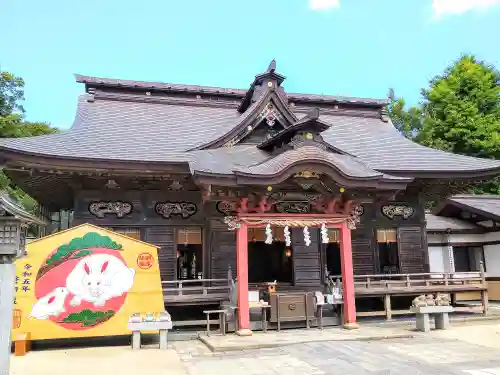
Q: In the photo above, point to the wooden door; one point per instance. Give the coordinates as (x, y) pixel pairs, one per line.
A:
(306, 260)
(412, 254)
(164, 238)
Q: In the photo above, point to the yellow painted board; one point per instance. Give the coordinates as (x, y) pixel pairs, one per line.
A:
(85, 282)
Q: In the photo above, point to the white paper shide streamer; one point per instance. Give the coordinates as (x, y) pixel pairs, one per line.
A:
(324, 234)
(288, 240)
(269, 235)
(307, 237)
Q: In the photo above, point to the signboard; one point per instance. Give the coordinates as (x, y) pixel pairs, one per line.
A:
(84, 282)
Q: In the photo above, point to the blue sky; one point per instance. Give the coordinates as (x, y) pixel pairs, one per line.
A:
(339, 47)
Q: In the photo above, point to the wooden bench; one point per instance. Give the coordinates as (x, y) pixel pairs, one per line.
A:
(222, 320)
(440, 314)
(253, 305)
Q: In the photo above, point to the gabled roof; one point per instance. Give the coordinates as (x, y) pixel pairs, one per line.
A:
(309, 122)
(247, 122)
(346, 170)
(486, 206)
(131, 122)
(448, 224)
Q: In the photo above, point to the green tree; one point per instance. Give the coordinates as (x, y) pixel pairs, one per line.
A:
(13, 125)
(408, 122)
(460, 113)
(461, 110)
(11, 93)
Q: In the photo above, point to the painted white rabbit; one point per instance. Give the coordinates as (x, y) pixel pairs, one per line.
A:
(52, 304)
(98, 278)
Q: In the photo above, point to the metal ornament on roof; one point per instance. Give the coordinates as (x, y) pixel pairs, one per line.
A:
(270, 114)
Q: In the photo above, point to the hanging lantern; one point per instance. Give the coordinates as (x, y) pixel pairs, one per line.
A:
(307, 237)
(269, 235)
(288, 252)
(324, 234)
(288, 240)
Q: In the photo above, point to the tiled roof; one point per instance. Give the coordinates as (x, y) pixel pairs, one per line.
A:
(382, 147)
(239, 156)
(347, 165)
(131, 131)
(489, 204)
(442, 224)
(196, 89)
(160, 132)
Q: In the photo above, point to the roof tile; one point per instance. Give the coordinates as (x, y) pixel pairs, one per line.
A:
(159, 132)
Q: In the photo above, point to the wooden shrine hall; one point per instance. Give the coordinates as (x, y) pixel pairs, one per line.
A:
(271, 185)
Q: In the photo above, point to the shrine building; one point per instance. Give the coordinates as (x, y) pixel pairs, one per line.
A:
(271, 185)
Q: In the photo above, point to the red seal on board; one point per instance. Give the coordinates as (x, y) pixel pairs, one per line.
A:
(145, 261)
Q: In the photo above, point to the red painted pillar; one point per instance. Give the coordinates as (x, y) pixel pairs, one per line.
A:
(242, 278)
(347, 277)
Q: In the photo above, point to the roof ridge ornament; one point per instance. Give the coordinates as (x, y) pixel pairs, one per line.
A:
(272, 66)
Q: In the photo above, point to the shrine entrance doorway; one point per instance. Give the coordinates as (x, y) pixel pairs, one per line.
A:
(243, 222)
(270, 262)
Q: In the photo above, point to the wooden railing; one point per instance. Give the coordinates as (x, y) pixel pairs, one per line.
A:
(190, 287)
(197, 290)
(390, 285)
(420, 282)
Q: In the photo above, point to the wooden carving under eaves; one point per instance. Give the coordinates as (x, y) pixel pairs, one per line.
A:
(101, 209)
(264, 204)
(183, 209)
(357, 210)
(291, 207)
(393, 210)
(227, 208)
(307, 174)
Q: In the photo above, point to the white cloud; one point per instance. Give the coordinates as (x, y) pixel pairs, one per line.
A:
(444, 7)
(323, 4)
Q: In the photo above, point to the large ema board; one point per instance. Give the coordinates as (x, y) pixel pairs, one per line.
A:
(84, 282)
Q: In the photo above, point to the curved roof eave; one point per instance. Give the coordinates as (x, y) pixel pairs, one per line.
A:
(445, 174)
(70, 162)
(247, 176)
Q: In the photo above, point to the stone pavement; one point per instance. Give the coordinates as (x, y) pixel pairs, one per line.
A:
(259, 340)
(423, 355)
(463, 350)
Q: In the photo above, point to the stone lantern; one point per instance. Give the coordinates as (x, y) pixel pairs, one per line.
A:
(14, 222)
(12, 236)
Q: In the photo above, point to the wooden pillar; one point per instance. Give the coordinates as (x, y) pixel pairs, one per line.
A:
(347, 277)
(242, 280)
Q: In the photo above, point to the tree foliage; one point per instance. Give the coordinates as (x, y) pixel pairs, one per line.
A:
(13, 125)
(460, 113)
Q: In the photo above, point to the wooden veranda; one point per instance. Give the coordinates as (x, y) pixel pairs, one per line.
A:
(385, 286)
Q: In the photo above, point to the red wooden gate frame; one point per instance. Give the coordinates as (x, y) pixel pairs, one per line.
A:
(258, 220)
